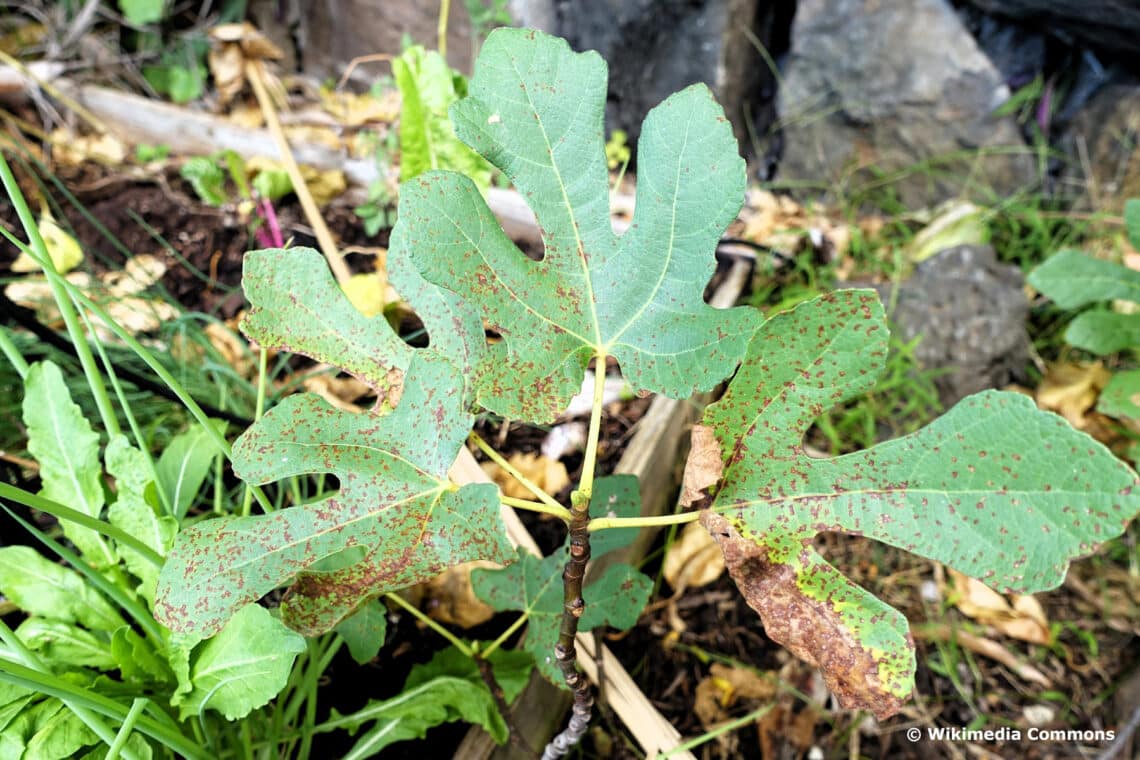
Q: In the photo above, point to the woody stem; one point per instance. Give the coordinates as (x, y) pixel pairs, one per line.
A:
(573, 605)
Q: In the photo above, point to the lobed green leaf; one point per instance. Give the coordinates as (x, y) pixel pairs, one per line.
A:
(396, 509)
(535, 110)
(534, 586)
(995, 488)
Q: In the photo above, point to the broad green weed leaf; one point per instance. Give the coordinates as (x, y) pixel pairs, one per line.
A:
(1121, 397)
(241, 668)
(131, 512)
(414, 710)
(995, 488)
(41, 587)
(142, 12)
(1104, 332)
(60, 737)
(136, 659)
(296, 305)
(534, 585)
(62, 441)
(16, 735)
(66, 643)
(535, 110)
(427, 138)
(364, 631)
(184, 464)
(1073, 279)
(395, 500)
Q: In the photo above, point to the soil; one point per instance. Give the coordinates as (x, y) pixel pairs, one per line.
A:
(673, 648)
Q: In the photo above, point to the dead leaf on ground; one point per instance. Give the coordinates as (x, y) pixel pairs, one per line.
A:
(71, 149)
(1071, 390)
(64, 250)
(693, 560)
(449, 598)
(138, 274)
(724, 687)
(781, 729)
(354, 110)
(1023, 619)
(233, 348)
(547, 474)
(233, 45)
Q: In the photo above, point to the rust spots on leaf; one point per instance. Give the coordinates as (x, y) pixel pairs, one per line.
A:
(810, 628)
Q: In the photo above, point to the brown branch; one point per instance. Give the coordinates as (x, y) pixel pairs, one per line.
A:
(572, 608)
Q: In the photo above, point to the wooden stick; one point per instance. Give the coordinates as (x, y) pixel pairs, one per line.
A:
(255, 73)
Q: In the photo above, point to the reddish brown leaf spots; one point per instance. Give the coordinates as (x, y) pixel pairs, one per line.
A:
(809, 628)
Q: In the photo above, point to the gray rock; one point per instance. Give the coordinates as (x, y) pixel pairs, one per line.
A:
(1104, 166)
(656, 47)
(896, 86)
(1107, 25)
(970, 311)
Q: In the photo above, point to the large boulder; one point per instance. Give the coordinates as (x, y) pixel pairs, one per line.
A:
(656, 47)
(1111, 26)
(969, 311)
(897, 88)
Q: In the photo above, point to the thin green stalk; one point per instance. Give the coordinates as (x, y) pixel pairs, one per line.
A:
(720, 730)
(84, 702)
(560, 511)
(33, 664)
(66, 308)
(605, 523)
(489, 650)
(126, 728)
(132, 423)
(441, 30)
(511, 470)
(15, 358)
(590, 461)
(57, 510)
(262, 365)
(315, 672)
(418, 614)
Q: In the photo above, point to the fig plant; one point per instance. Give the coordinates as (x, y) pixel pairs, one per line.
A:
(995, 487)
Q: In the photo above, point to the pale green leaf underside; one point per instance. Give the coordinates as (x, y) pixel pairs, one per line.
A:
(535, 110)
(1073, 279)
(534, 586)
(395, 504)
(296, 305)
(995, 488)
